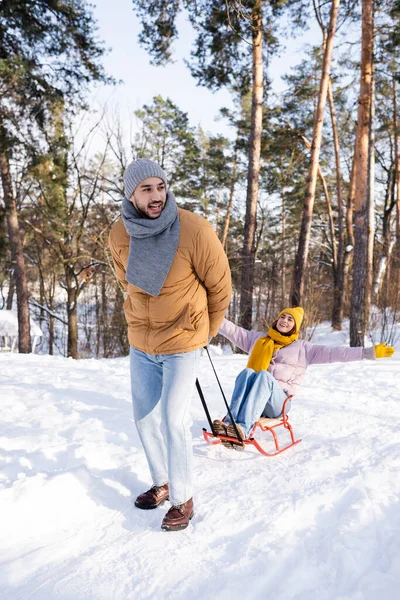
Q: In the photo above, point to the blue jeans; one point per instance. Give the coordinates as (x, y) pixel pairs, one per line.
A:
(256, 395)
(162, 386)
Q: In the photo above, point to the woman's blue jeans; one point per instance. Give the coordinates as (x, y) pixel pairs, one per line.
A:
(256, 395)
(162, 386)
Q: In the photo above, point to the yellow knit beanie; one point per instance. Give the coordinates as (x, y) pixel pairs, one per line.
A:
(297, 313)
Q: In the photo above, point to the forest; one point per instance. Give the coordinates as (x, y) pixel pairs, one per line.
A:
(304, 195)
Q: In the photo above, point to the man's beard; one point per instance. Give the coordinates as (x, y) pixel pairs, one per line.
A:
(144, 214)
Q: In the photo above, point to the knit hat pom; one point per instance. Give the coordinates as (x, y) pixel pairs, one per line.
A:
(297, 313)
(137, 171)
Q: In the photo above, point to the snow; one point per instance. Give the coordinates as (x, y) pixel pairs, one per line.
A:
(320, 521)
(9, 324)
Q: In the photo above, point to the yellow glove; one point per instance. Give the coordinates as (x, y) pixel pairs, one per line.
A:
(384, 351)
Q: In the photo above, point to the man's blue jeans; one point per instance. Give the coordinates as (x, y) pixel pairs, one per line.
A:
(255, 395)
(162, 386)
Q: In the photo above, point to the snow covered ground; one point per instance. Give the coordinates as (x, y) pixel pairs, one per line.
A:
(321, 521)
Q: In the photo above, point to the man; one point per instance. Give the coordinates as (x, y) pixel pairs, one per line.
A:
(178, 286)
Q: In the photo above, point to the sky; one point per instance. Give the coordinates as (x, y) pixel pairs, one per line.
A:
(119, 28)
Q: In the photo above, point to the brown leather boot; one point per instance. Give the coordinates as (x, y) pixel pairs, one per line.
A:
(230, 430)
(220, 429)
(178, 517)
(153, 497)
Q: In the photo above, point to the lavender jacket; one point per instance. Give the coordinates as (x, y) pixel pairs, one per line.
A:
(289, 364)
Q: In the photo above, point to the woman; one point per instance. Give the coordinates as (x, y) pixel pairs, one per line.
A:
(275, 369)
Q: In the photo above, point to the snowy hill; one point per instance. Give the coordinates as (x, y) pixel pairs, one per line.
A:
(321, 521)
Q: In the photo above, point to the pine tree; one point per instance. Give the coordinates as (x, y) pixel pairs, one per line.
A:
(33, 35)
(362, 181)
(228, 51)
(304, 239)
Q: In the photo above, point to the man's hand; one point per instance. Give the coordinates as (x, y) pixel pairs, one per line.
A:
(382, 350)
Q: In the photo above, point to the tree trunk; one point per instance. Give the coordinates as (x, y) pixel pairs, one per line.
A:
(397, 163)
(17, 257)
(283, 260)
(248, 253)
(218, 212)
(258, 302)
(387, 240)
(11, 288)
(349, 245)
(72, 313)
(361, 177)
(383, 279)
(104, 313)
(52, 321)
(383, 265)
(338, 292)
(230, 201)
(51, 334)
(305, 229)
(371, 202)
(98, 317)
(331, 222)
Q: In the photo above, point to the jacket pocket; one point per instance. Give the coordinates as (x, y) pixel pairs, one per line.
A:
(184, 321)
(128, 311)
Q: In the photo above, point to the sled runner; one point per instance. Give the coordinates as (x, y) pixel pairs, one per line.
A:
(263, 424)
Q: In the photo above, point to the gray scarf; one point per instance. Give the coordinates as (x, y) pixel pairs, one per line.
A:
(153, 245)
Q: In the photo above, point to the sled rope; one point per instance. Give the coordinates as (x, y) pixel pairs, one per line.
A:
(200, 391)
(204, 403)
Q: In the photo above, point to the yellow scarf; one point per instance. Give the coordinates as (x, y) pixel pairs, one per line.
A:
(265, 347)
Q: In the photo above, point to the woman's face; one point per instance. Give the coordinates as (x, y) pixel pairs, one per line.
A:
(285, 323)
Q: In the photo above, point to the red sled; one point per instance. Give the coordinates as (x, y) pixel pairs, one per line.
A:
(264, 424)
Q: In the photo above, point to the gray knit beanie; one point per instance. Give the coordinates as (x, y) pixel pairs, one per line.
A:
(137, 171)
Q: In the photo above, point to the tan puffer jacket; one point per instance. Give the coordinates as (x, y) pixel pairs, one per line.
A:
(195, 295)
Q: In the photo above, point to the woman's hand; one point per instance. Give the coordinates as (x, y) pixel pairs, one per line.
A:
(382, 350)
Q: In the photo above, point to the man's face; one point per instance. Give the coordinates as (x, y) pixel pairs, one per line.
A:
(149, 197)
